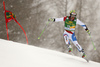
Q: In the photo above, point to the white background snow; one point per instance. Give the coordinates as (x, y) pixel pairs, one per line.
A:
(21, 55)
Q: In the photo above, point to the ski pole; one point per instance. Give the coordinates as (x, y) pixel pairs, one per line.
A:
(92, 42)
(43, 29)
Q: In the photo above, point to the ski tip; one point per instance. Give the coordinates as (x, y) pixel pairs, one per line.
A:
(86, 59)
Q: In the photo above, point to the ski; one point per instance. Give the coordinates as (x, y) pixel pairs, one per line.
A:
(72, 53)
(86, 59)
(83, 57)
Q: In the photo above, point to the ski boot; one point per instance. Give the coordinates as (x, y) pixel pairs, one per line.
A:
(84, 56)
(69, 48)
(83, 53)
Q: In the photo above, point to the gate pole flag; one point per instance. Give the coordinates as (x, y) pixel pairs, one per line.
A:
(10, 16)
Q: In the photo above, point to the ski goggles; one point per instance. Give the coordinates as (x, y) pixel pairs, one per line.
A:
(73, 14)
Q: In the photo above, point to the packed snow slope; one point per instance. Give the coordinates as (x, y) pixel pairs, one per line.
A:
(21, 55)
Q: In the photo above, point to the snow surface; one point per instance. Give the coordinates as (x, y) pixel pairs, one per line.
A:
(21, 55)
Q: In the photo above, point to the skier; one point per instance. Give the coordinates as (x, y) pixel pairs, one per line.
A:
(69, 33)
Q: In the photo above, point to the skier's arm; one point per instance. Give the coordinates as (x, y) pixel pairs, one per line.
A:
(83, 25)
(57, 19)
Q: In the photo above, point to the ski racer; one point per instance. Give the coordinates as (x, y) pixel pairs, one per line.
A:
(70, 23)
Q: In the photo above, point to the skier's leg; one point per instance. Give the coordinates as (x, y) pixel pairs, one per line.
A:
(74, 40)
(66, 37)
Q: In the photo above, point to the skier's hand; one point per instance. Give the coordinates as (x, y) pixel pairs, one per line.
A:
(51, 19)
(88, 32)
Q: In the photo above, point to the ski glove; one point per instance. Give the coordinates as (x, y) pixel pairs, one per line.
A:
(88, 32)
(51, 19)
